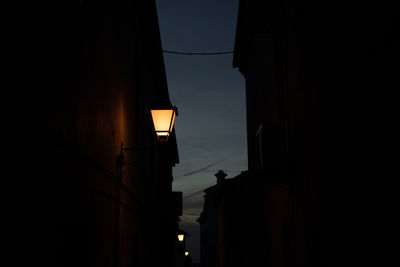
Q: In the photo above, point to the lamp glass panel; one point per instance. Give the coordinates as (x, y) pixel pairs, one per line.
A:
(162, 120)
(180, 237)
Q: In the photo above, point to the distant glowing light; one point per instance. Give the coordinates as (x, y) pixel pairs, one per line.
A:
(186, 253)
(181, 237)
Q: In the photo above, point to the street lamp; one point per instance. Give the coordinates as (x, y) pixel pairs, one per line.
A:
(181, 237)
(163, 120)
(186, 253)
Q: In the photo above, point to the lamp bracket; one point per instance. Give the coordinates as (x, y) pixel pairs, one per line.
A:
(135, 148)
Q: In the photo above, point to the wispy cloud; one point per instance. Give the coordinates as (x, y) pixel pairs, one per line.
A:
(204, 168)
(190, 219)
(194, 194)
(193, 207)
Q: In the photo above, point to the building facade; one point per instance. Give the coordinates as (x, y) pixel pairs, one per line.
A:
(95, 70)
(282, 134)
(208, 221)
(307, 65)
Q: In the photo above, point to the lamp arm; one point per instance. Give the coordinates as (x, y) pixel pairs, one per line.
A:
(135, 148)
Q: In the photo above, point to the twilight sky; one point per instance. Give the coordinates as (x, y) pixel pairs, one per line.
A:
(210, 96)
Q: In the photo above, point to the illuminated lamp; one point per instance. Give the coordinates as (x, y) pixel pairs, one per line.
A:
(163, 120)
(181, 237)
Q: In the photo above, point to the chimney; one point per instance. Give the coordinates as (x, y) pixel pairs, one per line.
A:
(220, 176)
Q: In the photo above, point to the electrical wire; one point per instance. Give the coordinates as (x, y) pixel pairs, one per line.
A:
(197, 53)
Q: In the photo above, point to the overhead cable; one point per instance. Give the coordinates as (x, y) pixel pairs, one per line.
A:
(197, 53)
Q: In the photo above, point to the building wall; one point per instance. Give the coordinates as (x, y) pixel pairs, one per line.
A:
(97, 69)
(282, 182)
(253, 223)
(209, 235)
(309, 67)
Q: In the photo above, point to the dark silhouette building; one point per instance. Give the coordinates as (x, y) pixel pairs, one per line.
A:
(209, 227)
(91, 72)
(244, 222)
(306, 66)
